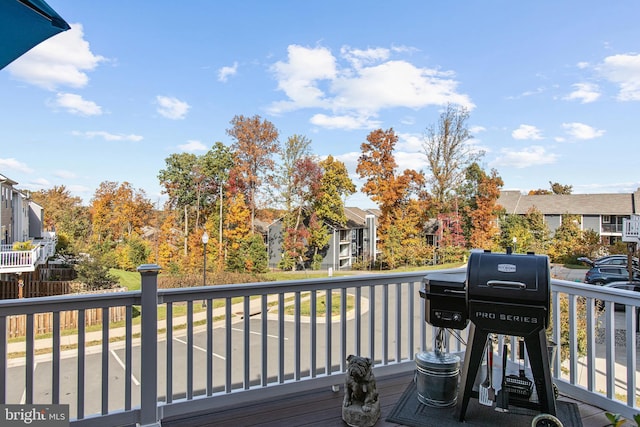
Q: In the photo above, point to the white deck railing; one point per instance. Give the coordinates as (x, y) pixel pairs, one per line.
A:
(12, 261)
(631, 229)
(209, 347)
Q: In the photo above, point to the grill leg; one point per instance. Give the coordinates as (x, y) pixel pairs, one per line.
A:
(472, 360)
(539, 359)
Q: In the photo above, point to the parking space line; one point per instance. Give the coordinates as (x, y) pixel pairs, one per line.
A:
(204, 350)
(121, 363)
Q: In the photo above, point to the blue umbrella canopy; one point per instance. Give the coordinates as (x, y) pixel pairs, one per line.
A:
(24, 24)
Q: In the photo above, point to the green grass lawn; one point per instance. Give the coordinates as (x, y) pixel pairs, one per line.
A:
(127, 279)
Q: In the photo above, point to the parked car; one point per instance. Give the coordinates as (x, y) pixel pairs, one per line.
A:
(599, 275)
(610, 260)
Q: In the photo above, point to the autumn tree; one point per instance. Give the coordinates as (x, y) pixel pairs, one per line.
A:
(448, 153)
(395, 194)
(118, 212)
(65, 214)
(481, 208)
(170, 240)
(237, 231)
(255, 142)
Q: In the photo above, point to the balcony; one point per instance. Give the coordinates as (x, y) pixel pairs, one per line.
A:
(246, 349)
(12, 261)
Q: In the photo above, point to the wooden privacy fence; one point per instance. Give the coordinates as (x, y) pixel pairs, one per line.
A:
(43, 322)
(9, 289)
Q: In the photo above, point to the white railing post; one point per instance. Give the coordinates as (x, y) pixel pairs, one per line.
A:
(149, 345)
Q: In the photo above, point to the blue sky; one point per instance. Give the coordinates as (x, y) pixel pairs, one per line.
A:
(553, 87)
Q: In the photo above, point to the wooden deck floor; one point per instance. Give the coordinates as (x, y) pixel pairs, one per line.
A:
(323, 407)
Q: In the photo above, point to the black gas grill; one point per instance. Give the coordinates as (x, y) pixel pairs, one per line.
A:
(508, 294)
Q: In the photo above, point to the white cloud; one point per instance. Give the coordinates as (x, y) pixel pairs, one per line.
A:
(527, 132)
(581, 131)
(15, 165)
(192, 146)
(343, 122)
(61, 60)
(585, 92)
(108, 136)
(534, 155)
(65, 174)
(225, 72)
(477, 129)
(75, 104)
(172, 108)
(359, 57)
(368, 82)
(623, 70)
(411, 142)
(410, 160)
(298, 77)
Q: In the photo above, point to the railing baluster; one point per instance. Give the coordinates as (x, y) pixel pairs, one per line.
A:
(372, 322)
(410, 321)
(189, 349)
(228, 346)
(296, 337)
(3, 360)
(610, 338)
(265, 350)
(591, 345)
(328, 328)
(105, 360)
(81, 363)
(209, 323)
(358, 320)
(398, 322)
(343, 329)
(55, 360)
(385, 324)
(128, 356)
(556, 333)
(29, 368)
(169, 348)
(573, 341)
(281, 338)
(246, 318)
(630, 313)
(313, 333)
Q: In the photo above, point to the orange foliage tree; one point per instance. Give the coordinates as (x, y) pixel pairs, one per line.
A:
(401, 209)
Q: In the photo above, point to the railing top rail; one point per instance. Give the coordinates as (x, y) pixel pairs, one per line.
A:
(264, 288)
(620, 296)
(67, 302)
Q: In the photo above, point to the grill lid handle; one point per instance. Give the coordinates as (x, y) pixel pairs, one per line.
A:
(454, 291)
(506, 284)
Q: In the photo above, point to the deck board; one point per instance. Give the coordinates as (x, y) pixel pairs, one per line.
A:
(323, 407)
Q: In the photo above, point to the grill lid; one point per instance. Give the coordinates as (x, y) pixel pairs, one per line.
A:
(510, 278)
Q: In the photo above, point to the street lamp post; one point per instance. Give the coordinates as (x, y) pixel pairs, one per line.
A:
(205, 240)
